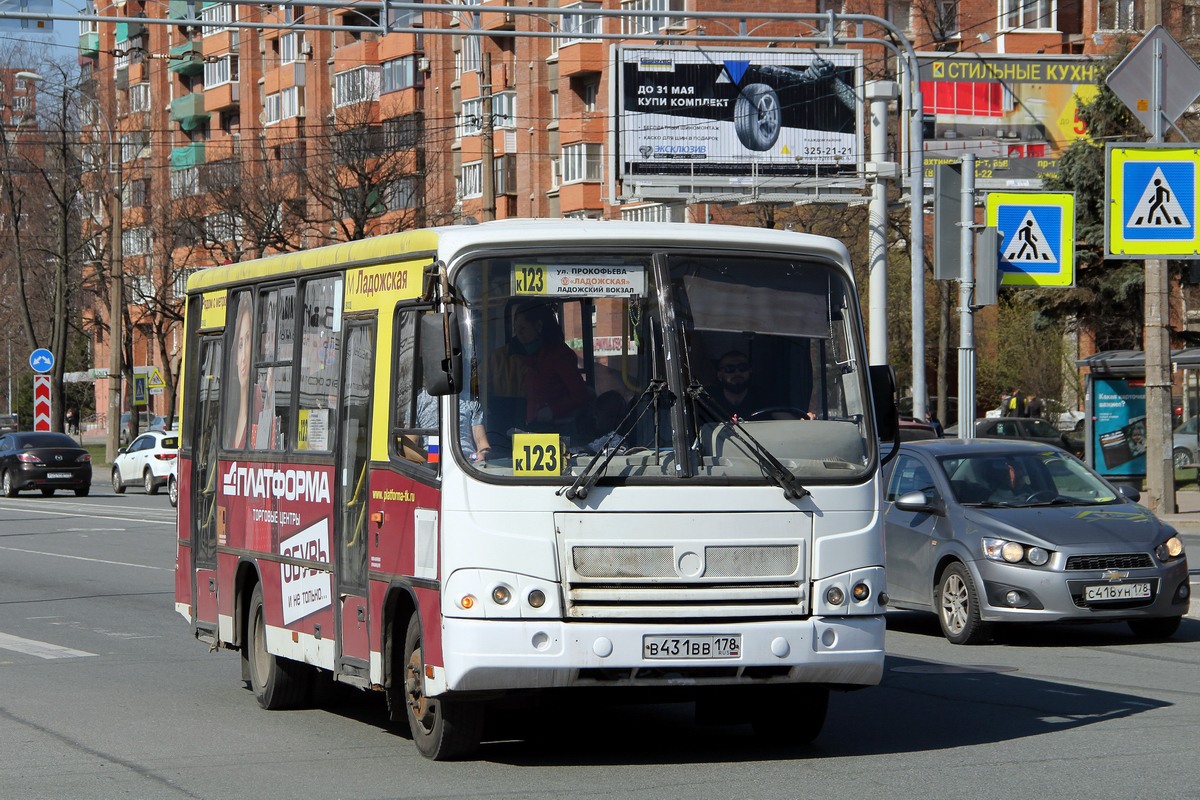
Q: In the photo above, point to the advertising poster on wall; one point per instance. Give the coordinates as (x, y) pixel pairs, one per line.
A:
(1119, 430)
(1016, 114)
(771, 112)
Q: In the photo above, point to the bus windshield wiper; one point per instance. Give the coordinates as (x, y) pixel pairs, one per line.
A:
(770, 465)
(612, 443)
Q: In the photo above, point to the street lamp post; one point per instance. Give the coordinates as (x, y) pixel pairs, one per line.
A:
(116, 273)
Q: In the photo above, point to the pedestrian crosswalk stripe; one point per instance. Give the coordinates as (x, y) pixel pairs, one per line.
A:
(1158, 206)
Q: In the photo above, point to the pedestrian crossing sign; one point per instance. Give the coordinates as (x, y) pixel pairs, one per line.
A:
(1036, 237)
(1152, 201)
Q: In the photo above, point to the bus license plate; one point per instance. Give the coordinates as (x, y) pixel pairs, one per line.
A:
(1117, 591)
(701, 646)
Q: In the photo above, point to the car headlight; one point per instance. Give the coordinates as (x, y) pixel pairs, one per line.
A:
(1169, 550)
(1014, 552)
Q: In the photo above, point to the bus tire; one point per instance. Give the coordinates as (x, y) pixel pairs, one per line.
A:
(276, 682)
(443, 730)
(790, 715)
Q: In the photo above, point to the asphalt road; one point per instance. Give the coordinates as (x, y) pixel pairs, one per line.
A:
(104, 694)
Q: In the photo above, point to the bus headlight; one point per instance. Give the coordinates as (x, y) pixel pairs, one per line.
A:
(492, 594)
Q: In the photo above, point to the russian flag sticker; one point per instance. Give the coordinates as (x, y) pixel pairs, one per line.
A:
(433, 450)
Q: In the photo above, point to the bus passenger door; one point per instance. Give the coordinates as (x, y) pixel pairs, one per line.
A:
(353, 487)
(202, 482)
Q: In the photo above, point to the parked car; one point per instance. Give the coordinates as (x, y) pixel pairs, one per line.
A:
(1058, 414)
(173, 483)
(985, 531)
(9, 423)
(45, 461)
(913, 430)
(1184, 444)
(1034, 430)
(146, 462)
(145, 423)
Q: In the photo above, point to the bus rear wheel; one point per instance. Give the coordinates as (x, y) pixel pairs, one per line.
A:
(443, 730)
(277, 682)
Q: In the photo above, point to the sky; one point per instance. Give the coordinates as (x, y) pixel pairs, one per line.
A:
(62, 42)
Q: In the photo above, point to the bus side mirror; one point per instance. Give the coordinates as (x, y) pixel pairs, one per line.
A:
(883, 397)
(441, 354)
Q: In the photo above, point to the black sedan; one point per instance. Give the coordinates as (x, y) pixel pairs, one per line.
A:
(981, 532)
(45, 461)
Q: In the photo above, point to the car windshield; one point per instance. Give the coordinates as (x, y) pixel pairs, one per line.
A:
(1024, 479)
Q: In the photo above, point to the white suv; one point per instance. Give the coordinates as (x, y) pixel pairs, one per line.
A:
(147, 462)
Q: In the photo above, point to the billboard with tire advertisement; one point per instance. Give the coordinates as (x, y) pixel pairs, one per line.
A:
(768, 112)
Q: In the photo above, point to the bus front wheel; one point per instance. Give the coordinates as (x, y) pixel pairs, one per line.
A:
(277, 682)
(442, 729)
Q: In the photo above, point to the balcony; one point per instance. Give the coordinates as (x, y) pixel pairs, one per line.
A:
(221, 97)
(188, 111)
(581, 58)
(187, 157)
(89, 44)
(187, 59)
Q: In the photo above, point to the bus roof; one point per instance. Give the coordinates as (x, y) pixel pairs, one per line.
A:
(446, 242)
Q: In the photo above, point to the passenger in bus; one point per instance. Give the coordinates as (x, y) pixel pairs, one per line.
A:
(554, 389)
(237, 422)
(472, 437)
(607, 412)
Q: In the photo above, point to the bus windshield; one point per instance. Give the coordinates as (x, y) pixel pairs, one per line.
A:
(663, 365)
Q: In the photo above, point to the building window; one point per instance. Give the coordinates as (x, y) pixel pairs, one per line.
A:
(220, 15)
(402, 133)
(289, 47)
(289, 102)
(555, 173)
(134, 145)
(581, 162)
(399, 73)
(504, 110)
(359, 85)
(576, 27)
(470, 118)
(590, 90)
(139, 97)
(223, 227)
(1026, 14)
(185, 182)
(469, 57)
(271, 109)
(470, 181)
(649, 24)
(504, 173)
(403, 193)
(136, 193)
(223, 70)
(135, 241)
(899, 13)
(553, 110)
(1120, 15)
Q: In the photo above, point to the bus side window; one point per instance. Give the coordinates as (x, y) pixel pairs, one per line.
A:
(416, 423)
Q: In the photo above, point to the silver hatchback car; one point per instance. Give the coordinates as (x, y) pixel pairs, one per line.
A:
(989, 531)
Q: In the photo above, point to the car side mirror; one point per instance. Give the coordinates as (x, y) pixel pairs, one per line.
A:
(1130, 493)
(121, 451)
(919, 502)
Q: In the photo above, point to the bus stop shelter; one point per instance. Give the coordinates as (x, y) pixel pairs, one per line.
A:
(1115, 428)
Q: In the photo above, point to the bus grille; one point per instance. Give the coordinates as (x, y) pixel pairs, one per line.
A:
(673, 581)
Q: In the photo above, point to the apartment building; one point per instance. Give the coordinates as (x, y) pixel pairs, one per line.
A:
(238, 141)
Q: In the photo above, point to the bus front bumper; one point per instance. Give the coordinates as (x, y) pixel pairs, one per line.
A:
(491, 655)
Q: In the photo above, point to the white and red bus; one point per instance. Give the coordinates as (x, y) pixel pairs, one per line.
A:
(461, 464)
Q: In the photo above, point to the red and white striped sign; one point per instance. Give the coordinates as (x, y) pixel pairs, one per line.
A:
(41, 402)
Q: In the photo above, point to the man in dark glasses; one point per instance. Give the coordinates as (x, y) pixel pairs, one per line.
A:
(734, 392)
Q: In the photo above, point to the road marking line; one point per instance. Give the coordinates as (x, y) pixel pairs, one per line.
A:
(11, 507)
(82, 558)
(32, 647)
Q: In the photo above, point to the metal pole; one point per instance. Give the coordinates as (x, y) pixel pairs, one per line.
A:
(1160, 466)
(116, 310)
(488, 162)
(966, 296)
(880, 93)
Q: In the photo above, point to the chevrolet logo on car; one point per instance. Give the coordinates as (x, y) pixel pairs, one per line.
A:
(1114, 575)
